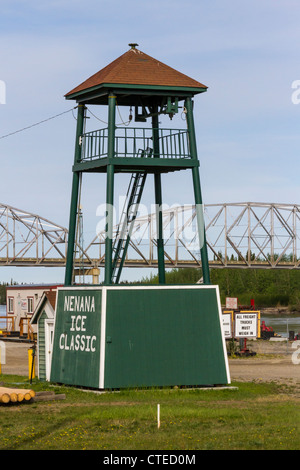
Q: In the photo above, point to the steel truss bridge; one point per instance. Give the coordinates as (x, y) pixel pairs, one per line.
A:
(239, 235)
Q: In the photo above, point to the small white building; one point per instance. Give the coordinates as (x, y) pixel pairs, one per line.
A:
(43, 320)
(21, 302)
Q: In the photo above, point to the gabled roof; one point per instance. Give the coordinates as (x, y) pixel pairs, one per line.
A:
(135, 67)
(49, 296)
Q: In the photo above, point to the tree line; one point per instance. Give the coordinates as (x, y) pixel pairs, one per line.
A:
(268, 287)
(3, 287)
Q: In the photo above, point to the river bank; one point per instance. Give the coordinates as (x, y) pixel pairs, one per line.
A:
(279, 311)
(281, 322)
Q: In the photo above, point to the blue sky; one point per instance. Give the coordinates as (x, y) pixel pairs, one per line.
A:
(246, 52)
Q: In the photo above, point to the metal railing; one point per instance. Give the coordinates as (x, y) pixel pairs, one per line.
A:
(173, 143)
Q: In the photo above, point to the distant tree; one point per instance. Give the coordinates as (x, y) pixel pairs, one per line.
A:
(268, 287)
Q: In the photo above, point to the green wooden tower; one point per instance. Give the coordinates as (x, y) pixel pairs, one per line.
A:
(114, 336)
(150, 88)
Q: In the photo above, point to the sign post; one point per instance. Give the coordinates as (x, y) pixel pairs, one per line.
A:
(231, 303)
(247, 324)
(227, 321)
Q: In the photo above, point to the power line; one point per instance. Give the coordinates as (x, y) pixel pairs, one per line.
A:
(105, 122)
(36, 124)
(53, 117)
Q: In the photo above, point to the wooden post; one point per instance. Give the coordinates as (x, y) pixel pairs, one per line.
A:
(158, 416)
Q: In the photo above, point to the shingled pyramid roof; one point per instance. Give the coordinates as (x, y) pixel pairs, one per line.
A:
(135, 68)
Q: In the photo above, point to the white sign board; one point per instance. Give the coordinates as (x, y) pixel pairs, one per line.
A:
(227, 325)
(245, 325)
(232, 303)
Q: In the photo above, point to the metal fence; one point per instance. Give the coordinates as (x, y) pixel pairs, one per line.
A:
(129, 141)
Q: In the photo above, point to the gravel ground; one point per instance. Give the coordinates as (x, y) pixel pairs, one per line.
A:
(16, 358)
(273, 362)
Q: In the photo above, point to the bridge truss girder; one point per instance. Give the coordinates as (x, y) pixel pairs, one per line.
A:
(239, 235)
(28, 239)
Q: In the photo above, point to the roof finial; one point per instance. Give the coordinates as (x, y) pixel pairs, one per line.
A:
(133, 45)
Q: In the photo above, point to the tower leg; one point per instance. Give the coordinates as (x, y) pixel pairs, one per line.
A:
(159, 223)
(158, 203)
(197, 193)
(201, 227)
(110, 189)
(74, 199)
(109, 224)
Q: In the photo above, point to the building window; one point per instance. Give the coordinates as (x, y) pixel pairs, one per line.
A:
(10, 306)
(30, 305)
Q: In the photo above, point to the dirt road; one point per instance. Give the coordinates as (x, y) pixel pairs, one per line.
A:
(15, 360)
(274, 362)
(280, 370)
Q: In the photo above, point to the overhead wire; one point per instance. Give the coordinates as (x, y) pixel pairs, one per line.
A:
(125, 123)
(105, 122)
(37, 123)
(60, 114)
(96, 117)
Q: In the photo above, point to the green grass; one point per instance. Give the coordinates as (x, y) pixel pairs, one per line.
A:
(255, 416)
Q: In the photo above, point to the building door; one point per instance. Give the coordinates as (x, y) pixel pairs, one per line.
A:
(49, 333)
(18, 312)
